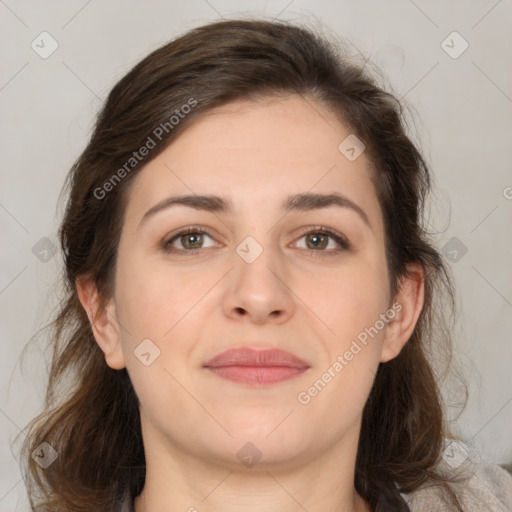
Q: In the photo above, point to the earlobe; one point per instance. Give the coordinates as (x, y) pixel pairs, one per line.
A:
(103, 321)
(409, 300)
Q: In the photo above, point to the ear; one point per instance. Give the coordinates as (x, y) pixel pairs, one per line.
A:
(407, 305)
(103, 320)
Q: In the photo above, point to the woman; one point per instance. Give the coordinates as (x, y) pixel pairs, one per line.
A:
(252, 299)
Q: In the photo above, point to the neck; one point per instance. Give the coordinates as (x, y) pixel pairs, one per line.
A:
(180, 480)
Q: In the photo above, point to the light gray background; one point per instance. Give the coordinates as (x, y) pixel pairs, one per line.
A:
(464, 120)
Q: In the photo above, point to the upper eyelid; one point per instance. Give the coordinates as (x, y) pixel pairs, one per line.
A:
(188, 231)
(331, 232)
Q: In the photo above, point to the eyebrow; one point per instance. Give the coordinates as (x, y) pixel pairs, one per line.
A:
(299, 202)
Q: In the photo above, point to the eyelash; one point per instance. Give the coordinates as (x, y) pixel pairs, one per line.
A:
(317, 230)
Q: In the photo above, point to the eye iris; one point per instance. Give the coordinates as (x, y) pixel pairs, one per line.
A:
(318, 240)
(192, 240)
(313, 240)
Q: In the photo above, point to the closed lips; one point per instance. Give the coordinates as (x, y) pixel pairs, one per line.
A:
(256, 358)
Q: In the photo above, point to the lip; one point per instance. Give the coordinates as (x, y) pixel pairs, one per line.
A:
(256, 367)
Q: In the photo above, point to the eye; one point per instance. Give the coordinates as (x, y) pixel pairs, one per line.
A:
(323, 239)
(319, 239)
(187, 240)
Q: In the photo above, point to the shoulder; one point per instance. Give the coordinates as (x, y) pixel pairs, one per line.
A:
(480, 486)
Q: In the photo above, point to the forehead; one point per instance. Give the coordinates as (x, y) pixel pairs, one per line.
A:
(256, 153)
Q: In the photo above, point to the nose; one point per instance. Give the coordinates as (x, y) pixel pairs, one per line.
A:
(258, 291)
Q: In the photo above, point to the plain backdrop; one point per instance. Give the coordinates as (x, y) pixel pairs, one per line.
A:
(462, 99)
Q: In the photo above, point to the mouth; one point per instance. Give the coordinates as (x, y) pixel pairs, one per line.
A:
(256, 368)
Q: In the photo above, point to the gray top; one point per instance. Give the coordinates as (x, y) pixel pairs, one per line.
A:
(488, 488)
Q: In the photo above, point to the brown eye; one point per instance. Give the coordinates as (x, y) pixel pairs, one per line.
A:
(324, 240)
(188, 240)
(192, 240)
(317, 241)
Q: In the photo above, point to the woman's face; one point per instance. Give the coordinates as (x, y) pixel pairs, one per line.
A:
(261, 276)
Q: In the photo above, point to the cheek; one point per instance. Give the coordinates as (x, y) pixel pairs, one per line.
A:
(152, 298)
(350, 303)
(342, 381)
(156, 303)
(166, 306)
(336, 399)
(347, 299)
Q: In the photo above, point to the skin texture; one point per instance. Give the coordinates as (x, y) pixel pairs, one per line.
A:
(310, 301)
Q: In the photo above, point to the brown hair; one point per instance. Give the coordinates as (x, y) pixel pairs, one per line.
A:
(95, 425)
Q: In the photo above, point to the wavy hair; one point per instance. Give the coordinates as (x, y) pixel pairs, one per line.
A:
(91, 412)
